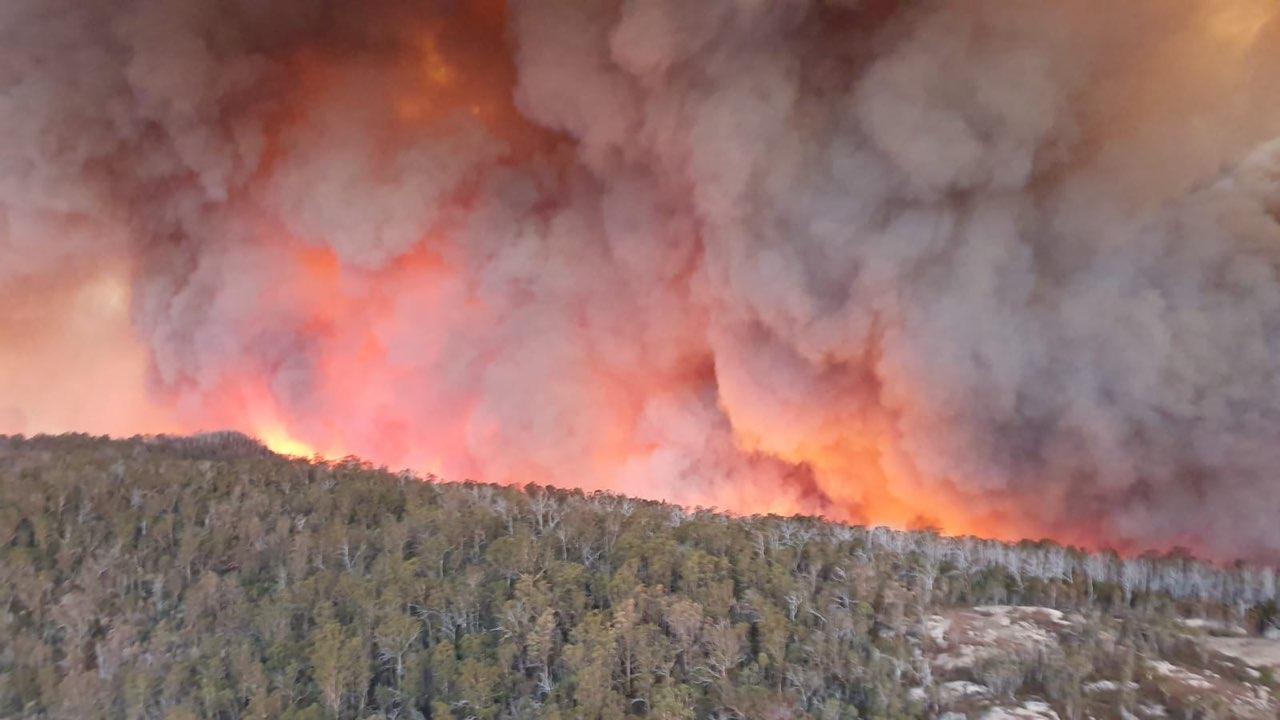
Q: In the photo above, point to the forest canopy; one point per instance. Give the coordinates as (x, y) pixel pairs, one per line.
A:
(209, 578)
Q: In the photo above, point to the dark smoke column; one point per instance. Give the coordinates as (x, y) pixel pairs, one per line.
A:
(992, 267)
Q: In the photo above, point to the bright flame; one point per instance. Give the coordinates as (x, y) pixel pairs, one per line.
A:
(278, 440)
(377, 345)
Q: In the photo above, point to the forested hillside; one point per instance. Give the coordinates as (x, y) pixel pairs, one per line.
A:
(209, 578)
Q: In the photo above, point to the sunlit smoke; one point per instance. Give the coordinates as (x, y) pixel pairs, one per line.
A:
(1003, 269)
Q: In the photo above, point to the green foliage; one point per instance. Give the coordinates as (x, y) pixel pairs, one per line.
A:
(208, 578)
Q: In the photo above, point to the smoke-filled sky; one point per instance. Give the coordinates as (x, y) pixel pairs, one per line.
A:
(1002, 268)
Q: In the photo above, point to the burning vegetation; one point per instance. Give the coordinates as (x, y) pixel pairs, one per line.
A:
(1001, 269)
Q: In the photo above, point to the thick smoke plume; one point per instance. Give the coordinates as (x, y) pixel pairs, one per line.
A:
(1005, 268)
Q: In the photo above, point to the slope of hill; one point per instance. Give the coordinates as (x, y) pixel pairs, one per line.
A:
(208, 578)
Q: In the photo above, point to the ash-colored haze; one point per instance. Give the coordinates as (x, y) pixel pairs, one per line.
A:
(1006, 267)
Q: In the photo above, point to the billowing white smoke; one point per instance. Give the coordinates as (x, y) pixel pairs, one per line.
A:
(1014, 263)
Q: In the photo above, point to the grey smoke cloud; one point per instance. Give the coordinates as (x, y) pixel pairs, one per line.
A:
(852, 258)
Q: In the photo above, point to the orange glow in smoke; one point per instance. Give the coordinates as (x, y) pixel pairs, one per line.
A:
(347, 315)
(69, 360)
(1238, 23)
(345, 312)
